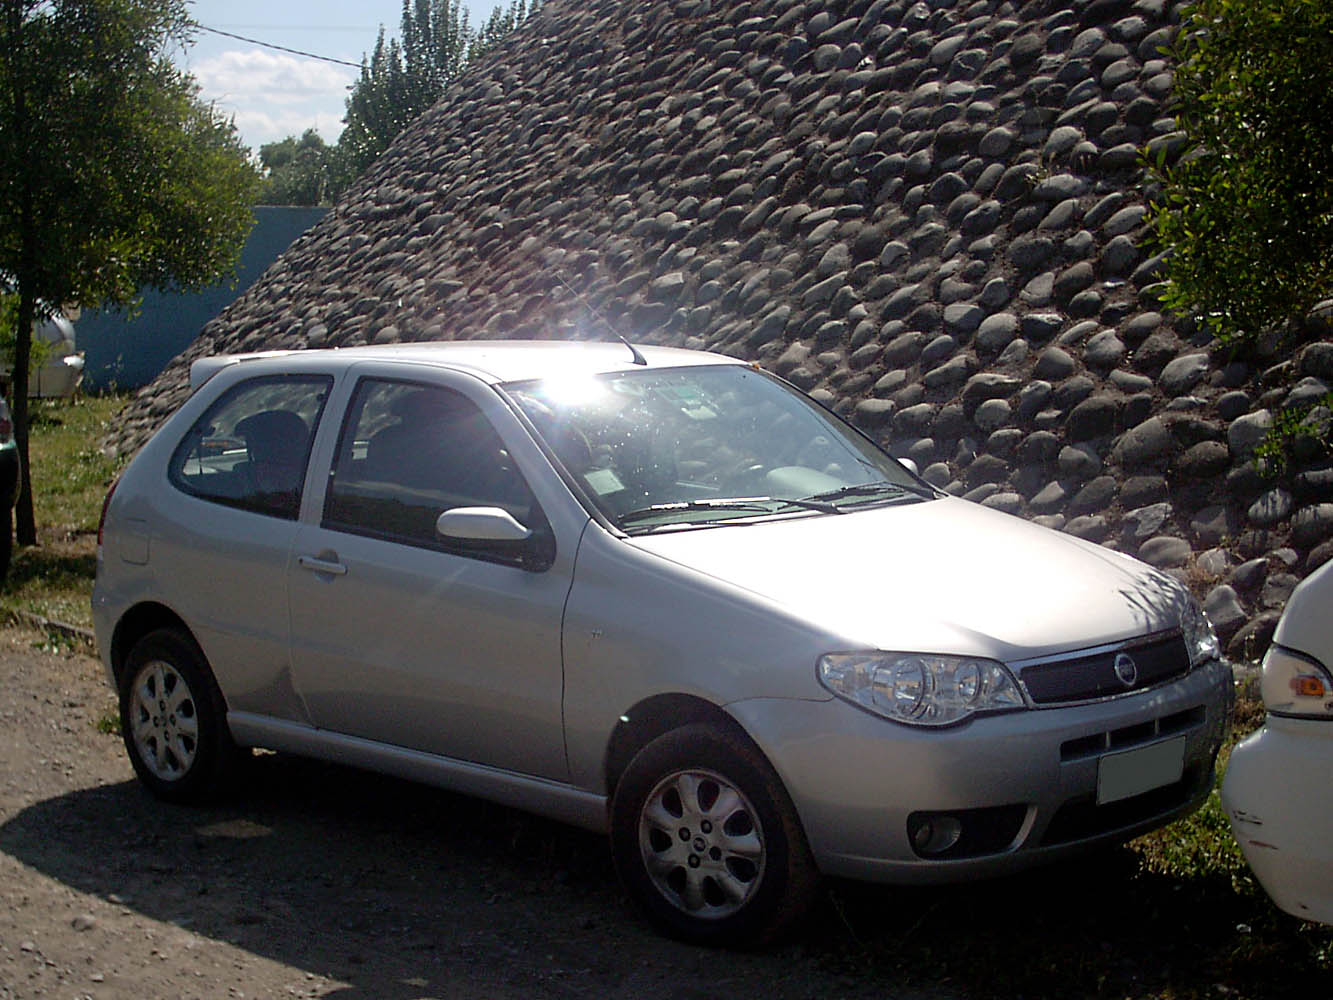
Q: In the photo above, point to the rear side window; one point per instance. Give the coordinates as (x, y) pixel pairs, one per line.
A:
(410, 452)
(251, 447)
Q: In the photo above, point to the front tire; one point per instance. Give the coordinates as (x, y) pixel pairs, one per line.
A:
(172, 718)
(707, 841)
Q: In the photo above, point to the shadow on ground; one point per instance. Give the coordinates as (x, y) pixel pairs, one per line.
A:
(399, 890)
(51, 568)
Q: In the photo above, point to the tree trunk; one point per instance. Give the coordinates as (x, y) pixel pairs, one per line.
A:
(25, 525)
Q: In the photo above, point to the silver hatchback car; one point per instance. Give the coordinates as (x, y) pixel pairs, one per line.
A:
(652, 592)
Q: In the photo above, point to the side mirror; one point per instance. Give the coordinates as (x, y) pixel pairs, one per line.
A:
(481, 524)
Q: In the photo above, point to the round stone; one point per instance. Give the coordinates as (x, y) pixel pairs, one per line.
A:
(1120, 256)
(1104, 350)
(1094, 417)
(962, 317)
(1149, 443)
(1079, 462)
(1165, 552)
(1246, 433)
(1037, 292)
(1049, 498)
(1182, 374)
(1312, 525)
(1224, 610)
(1054, 364)
(1272, 507)
(1095, 496)
(1145, 522)
(991, 414)
(1089, 527)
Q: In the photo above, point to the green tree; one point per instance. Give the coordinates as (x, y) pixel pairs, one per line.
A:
(1246, 215)
(114, 176)
(304, 171)
(502, 21)
(401, 80)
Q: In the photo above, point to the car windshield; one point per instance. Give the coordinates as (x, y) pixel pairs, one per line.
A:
(659, 448)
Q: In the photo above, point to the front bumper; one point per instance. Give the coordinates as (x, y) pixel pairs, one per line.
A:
(1025, 782)
(1277, 795)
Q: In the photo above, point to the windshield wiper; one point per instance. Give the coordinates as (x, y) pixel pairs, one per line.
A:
(870, 490)
(755, 504)
(809, 503)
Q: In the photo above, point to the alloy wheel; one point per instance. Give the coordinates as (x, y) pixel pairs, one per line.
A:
(702, 845)
(163, 721)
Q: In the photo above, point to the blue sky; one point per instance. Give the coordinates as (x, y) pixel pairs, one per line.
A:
(274, 94)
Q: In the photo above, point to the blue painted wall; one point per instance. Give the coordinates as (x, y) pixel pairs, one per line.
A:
(128, 352)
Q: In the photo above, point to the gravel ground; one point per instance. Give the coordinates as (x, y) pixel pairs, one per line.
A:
(310, 881)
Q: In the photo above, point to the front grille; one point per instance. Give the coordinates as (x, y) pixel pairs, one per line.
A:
(1131, 736)
(1091, 675)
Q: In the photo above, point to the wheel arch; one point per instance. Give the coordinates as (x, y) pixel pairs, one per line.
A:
(653, 717)
(136, 623)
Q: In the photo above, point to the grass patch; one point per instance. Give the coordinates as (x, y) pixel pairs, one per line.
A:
(70, 477)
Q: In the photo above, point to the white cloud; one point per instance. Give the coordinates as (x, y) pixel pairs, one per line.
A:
(259, 127)
(273, 95)
(272, 76)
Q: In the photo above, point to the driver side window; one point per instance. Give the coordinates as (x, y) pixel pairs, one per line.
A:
(408, 453)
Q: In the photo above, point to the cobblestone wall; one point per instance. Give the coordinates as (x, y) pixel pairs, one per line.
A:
(930, 215)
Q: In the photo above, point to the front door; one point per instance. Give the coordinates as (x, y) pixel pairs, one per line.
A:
(408, 638)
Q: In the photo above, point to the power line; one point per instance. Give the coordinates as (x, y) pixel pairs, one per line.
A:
(359, 28)
(280, 48)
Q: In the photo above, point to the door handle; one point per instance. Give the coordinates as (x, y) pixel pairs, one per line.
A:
(321, 566)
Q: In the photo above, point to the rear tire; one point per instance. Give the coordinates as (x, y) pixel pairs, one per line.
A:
(173, 718)
(707, 842)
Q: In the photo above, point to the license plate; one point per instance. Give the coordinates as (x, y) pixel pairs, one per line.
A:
(1133, 772)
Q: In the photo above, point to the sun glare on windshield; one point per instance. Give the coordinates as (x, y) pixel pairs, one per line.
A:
(573, 390)
(706, 444)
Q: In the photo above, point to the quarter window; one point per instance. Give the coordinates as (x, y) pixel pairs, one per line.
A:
(251, 447)
(410, 452)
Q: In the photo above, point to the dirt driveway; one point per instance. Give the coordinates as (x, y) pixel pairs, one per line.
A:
(313, 881)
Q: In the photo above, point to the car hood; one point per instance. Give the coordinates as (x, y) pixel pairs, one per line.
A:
(944, 575)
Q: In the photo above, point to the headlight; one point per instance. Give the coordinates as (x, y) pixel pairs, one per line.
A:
(1292, 684)
(1200, 638)
(920, 689)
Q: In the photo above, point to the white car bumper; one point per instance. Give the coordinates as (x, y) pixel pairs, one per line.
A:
(1279, 799)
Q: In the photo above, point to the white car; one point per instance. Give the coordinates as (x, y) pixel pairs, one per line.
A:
(654, 592)
(1277, 790)
(60, 372)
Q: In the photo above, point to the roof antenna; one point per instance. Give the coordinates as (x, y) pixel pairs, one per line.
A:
(635, 356)
(638, 358)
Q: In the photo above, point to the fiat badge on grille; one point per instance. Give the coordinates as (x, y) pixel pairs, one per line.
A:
(1126, 669)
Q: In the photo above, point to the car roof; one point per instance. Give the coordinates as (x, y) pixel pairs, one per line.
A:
(492, 361)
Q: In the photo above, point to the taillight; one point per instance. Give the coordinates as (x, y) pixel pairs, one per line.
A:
(101, 521)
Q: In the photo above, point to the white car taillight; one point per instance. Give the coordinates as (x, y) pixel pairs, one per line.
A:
(1295, 684)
